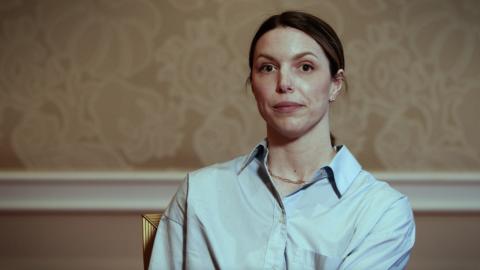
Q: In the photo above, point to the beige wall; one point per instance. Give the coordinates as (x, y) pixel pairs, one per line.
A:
(446, 241)
(115, 85)
(66, 241)
(113, 241)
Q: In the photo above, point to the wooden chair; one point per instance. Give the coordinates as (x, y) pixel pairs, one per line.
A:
(149, 228)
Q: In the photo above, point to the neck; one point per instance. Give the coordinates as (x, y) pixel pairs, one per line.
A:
(299, 158)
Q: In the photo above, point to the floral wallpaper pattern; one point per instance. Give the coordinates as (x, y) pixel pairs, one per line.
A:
(151, 85)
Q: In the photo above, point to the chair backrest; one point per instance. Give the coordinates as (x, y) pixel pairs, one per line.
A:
(149, 228)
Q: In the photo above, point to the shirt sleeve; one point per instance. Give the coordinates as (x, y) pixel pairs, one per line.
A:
(169, 245)
(389, 243)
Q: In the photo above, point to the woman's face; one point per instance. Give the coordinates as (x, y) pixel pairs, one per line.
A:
(291, 82)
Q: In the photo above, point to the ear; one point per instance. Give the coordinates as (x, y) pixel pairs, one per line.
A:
(337, 83)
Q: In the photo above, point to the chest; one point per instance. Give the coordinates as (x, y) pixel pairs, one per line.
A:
(284, 188)
(310, 219)
(292, 238)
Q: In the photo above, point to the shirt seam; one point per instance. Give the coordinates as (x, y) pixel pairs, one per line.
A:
(172, 220)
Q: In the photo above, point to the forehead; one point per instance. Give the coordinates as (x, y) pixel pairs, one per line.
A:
(284, 41)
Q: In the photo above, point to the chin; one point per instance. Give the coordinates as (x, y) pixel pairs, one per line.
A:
(288, 133)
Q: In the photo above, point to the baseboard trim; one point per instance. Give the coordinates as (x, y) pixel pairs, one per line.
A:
(152, 191)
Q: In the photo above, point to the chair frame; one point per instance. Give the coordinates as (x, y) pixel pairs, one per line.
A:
(149, 228)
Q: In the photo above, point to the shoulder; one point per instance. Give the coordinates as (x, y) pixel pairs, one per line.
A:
(384, 225)
(380, 201)
(216, 177)
(212, 172)
(210, 186)
(376, 190)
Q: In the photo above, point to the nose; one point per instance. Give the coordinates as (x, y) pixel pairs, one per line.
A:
(284, 82)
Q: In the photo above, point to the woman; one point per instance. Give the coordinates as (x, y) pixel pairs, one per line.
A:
(296, 201)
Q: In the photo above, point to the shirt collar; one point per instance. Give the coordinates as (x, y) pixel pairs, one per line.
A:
(259, 151)
(344, 166)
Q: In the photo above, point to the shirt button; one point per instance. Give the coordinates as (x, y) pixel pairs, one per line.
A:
(282, 219)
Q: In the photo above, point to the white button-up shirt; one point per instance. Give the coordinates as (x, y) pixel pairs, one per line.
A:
(229, 216)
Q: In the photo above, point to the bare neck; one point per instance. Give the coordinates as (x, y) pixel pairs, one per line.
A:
(299, 158)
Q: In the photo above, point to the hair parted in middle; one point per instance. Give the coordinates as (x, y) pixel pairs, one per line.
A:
(311, 25)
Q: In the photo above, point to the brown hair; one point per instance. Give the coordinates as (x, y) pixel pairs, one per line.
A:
(314, 27)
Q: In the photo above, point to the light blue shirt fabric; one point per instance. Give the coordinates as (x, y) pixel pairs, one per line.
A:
(230, 216)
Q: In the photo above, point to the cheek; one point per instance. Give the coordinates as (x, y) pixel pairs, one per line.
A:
(257, 93)
(264, 82)
(260, 90)
(261, 103)
(318, 91)
(261, 100)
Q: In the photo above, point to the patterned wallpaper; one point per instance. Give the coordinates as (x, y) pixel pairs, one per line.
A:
(147, 85)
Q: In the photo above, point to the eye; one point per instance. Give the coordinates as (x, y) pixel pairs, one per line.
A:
(306, 67)
(267, 68)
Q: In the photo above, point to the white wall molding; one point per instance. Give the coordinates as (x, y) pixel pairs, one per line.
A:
(437, 191)
(152, 191)
(87, 191)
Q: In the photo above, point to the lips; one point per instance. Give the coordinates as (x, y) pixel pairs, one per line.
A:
(287, 106)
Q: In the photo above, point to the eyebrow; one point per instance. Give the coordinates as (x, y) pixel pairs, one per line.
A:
(296, 56)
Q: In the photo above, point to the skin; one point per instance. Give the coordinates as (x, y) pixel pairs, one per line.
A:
(293, 87)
